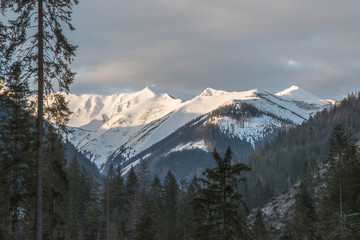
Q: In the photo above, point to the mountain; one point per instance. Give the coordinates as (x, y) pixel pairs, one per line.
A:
(279, 163)
(152, 124)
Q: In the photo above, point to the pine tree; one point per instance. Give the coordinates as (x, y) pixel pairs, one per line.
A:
(16, 159)
(145, 228)
(186, 211)
(55, 186)
(155, 196)
(305, 218)
(73, 199)
(42, 55)
(221, 200)
(116, 190)
(258, 227)
(339, 207)
(169, 202)
(131, 207)
(93, 214)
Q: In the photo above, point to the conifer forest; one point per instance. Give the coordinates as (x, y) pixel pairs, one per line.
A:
(49, 190)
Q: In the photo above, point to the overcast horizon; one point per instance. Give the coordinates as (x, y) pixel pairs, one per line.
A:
(228, 45)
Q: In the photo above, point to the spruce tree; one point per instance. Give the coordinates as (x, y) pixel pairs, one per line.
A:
(55, 186)
(73, 200)
(305, 217)
(42, 55)
(93, 215)
(339, 207)
(169, 201)
(145, 228)
(221, 200)
(155, 196)
(16, 158)
(186, 211)
(258, 228)
(131, 208)
(116, 203)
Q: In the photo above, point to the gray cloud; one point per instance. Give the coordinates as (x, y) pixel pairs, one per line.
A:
(230, 45)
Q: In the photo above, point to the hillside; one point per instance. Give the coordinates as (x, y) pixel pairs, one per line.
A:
(279, 163)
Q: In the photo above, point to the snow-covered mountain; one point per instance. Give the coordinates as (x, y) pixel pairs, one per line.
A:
(123, 126)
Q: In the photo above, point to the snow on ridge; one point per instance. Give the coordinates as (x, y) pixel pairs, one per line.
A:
(106, 125)
(252, 130)
(189, 146)
(298, 94)
(87, 108)
(170, 92)
(126, 169)
(287, 91)
(210, 92)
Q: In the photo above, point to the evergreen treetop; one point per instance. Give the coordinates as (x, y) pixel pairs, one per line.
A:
(220, 199)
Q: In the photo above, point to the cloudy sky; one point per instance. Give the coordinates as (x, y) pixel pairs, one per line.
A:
(231, 45)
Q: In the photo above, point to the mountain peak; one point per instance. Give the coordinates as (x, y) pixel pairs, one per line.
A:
(296, 93)
(158, 89)
(212, 92)
(288, 91)
(148, 91)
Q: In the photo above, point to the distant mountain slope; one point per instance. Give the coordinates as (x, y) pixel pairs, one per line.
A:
(123, 126)
(71, 151)
(279, 163)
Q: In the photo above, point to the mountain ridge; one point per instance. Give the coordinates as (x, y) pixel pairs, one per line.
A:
(129, 123)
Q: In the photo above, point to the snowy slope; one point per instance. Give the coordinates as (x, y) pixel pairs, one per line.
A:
(126, 124)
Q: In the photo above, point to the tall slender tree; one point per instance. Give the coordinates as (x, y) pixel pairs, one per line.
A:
(221, 200)
(339, 216)
(170, 196)
(258, 228)
(131, 207)
(16, 156)
(37, 47)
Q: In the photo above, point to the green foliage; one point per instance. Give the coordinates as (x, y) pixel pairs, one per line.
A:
(131, 203)
(145, 228)
(17, 159)
(285, 154)
(22, 53)
(170, 196)
(55, 186)
(339, 206)
(258, 228)
(305, 217)
(220, 199)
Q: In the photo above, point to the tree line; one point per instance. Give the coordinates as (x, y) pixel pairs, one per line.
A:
(78, 205)
(328, 201)
(288, 153)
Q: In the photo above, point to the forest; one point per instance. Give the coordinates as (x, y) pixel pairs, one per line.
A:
(45, 194)
(81, 205)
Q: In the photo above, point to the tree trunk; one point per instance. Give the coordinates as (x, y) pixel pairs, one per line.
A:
(39, 124)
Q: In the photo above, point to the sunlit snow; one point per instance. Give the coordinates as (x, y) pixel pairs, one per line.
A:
(129, 123)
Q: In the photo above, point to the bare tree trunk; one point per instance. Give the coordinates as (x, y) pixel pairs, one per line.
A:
(39, 124)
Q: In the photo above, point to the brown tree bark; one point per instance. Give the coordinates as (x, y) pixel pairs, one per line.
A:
(39, 124)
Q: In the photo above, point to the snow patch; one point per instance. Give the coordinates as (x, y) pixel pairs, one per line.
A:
(129, 123)
(252, 130)
(191, 145)
(126, 169)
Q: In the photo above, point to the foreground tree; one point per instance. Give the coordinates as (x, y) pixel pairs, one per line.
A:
(42, 55)
(339, 216)
(258, 228)
(16, 159)
(220, 200)
(170, 196)
(305, 219)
